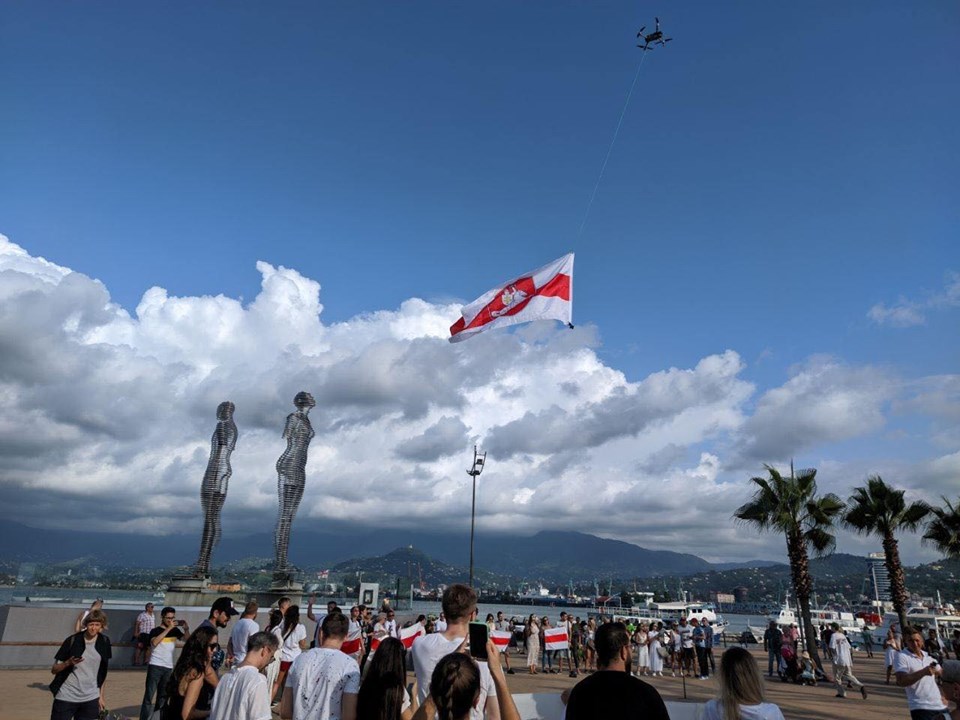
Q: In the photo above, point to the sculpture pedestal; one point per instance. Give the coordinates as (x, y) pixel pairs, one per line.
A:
(286, 583)
(192, 591)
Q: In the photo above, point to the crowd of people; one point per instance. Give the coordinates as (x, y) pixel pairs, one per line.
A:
(356, 665)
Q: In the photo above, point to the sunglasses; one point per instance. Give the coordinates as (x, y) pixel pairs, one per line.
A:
(169, 617)
(213, 646)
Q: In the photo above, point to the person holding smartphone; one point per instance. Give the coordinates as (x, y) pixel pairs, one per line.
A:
(459, 607)
(80, 668)
(163, 642)
(917, 673)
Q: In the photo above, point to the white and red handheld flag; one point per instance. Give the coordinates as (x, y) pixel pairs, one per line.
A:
(501, 638)
(409, 634)
(555, 639)
(353, 643)
(544, 294)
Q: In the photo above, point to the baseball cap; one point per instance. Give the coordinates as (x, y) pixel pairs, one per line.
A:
(224, 605)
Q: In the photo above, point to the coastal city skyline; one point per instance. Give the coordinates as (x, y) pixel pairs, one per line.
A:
(297, 200)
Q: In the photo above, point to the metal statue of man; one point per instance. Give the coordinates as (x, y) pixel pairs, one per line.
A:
(213, 492)
(292, 473)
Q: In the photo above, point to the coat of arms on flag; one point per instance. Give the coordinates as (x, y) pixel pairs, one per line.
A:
(544, 294)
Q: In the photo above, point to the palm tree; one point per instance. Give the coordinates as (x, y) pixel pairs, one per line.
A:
(878, 509)
(943, 530)
(790, 505)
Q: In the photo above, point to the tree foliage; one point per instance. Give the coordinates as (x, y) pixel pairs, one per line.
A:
(943, 529)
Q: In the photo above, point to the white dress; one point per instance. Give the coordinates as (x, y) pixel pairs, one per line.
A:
(656, 662)
(643, 652)
(533, 645)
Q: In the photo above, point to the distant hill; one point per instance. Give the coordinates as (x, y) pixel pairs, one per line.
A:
(747, 564)
(554, 557)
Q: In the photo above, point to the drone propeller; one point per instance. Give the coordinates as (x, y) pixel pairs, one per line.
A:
(641, 31)
(665, 40)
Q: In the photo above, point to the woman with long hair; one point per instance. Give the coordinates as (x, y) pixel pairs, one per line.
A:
(642, 661)
(654, 643)
(455, 689)
(274, 626)
(741, 690)
(589, 646)
(383, 693)
(546, 656)
(192, 684)
(532, 636)
(293, 641)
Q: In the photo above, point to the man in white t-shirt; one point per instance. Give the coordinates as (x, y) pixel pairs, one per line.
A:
(242, 630)
(459, 608)
(687, 653)
(242, 694)
(504, 626)
(843, 663)
(391, 624)
(917, 672)
(318, 619)
(163, 642)
(441, 624)
(323, 683)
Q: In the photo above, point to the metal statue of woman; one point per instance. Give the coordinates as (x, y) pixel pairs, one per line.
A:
(213, 492)
(292, 473)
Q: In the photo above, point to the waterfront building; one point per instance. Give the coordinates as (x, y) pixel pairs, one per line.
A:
(879, 577)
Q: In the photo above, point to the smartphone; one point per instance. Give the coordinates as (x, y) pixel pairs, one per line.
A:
(478, 640)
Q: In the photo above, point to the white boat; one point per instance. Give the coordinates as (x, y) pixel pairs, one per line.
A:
(786, 616)
(923, 618)
(538, 595)
(666, 613)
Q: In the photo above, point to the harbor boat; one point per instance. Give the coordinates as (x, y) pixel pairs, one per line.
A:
(538, 595)
(923, 618)
(666, 612)
(786, 616)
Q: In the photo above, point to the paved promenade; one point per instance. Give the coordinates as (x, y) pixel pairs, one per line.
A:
(25, 695)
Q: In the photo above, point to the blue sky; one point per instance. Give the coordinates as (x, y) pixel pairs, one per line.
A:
(781, 170)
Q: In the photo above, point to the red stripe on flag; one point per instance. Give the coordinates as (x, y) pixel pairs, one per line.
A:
(412, 634)
(498, 306)
(351, 647)
(558, 286)
(501, 639)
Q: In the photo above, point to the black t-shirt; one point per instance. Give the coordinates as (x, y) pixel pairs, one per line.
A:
(613, 695)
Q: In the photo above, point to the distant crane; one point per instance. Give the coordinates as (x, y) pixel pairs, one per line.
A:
(423, 585)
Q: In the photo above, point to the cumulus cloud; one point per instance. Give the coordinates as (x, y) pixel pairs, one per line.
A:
(106, 410)
(907, 312)
(823, 401)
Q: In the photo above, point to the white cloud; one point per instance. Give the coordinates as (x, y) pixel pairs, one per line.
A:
(908, 312)
(110, 412)
(823, 401)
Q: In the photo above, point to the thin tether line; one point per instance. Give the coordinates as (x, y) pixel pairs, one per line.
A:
(613, 142)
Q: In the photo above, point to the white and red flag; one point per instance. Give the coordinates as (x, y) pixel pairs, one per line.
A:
(544, 294)
(555, 639)
(353, 642)
(409, 634)
(501, 638)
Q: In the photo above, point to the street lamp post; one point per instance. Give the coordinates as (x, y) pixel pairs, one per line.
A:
(478, 462)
